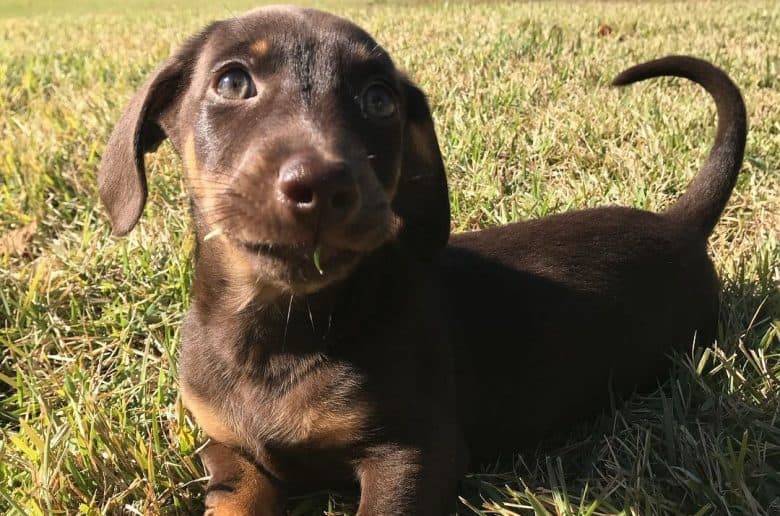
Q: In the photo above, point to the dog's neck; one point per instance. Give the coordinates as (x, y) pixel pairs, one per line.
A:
(274, 322)
(259, 318)
(296, 324)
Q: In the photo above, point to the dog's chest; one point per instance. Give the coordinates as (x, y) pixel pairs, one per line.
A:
(303, 401)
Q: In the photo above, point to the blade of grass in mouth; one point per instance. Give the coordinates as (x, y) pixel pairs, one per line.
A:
(316, 259)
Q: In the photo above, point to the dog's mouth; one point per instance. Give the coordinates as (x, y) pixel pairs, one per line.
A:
(293, 251)
(312, 261)
(270, 250)
(299, 263)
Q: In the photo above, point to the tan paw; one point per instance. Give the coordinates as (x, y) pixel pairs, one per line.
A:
(237, 487)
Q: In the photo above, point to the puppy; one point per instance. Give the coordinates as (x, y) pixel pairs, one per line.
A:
(334, 336)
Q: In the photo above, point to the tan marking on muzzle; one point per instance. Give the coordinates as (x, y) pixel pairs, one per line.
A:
(200, 188)
(243, 283)
(189, 158)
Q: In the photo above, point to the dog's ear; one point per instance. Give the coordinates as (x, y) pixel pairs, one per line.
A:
(422, 199)
(147, 120)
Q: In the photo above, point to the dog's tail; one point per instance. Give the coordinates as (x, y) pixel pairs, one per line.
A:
(706, 196)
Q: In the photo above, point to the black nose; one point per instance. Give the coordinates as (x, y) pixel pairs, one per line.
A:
(316, 188)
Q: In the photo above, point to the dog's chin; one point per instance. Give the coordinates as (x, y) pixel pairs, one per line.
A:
(300, 269)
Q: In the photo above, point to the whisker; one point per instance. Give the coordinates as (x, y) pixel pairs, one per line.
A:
(287, 324)
(215, 219)
(237, 19)
(221, 211)
(222, 219)
(311, 316)
(207, 189)
(209, 181)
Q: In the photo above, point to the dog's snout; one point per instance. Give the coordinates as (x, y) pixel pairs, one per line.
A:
(317, 188)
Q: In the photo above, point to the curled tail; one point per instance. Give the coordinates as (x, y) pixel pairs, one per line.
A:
(706, 195)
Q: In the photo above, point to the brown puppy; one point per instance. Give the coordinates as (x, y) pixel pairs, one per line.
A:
(333, 335)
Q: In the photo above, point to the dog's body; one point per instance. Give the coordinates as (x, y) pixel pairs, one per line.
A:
(302, 144)
(623, 282)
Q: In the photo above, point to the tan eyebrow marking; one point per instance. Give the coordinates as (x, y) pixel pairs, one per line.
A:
(259, 48)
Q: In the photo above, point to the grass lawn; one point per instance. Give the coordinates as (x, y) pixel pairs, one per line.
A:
(90, 420)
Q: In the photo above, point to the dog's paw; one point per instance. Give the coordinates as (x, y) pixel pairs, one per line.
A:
(224, 501)
(236, 486)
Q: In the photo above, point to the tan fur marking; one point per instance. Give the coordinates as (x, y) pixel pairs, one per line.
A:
(259, 48)
(325, 428)
(200, 188)
(244, 286)
(243, 283)
(208, 419)
(308, 418)
(252, 492)
(189, 158)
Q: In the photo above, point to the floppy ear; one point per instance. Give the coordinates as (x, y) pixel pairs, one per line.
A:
(422, 199)
(145, 123)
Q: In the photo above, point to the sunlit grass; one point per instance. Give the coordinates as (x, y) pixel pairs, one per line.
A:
(89, 416)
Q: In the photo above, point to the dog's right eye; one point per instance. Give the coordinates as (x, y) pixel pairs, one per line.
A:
(235, 84)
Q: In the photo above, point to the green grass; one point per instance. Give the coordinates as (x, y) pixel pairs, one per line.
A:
(90, 421)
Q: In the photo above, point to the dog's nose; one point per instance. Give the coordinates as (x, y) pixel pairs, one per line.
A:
(317, 188)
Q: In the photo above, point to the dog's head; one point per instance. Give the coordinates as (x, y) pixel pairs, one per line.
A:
(304, 148)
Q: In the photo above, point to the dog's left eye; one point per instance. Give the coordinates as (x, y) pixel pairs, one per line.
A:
(378, 102)
(235, 84)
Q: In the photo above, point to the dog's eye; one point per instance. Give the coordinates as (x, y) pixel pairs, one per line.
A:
(378, 102)
(235, 84)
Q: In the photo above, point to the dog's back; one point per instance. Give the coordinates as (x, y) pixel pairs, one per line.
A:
(556, 314)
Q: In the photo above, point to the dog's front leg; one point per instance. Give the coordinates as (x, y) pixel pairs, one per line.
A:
(407, 481)
(237, 487)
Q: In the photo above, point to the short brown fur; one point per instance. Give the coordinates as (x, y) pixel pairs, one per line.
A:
(209, 419)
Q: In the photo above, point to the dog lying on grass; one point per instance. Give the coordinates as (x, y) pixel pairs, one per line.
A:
(334, 335)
